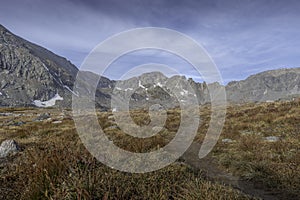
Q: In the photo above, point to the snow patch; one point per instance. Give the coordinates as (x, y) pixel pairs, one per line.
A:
(45, 67)
(184, 92)
(49, 103)
(158, 85)
(76, 94)
(128, 89)
(140, 85)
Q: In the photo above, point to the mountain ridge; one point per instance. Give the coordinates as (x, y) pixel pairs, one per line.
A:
(31, 75)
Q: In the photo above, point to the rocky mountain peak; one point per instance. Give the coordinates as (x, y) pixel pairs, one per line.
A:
(29, 72)
(266, 86)
(31, 75)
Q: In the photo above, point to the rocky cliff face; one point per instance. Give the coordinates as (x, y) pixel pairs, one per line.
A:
(33, 76)
(29, 72)
(266, 86)
(155, 88)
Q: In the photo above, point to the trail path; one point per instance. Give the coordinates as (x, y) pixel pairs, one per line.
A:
(214, 173)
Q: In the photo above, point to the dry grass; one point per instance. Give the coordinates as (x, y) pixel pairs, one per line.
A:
(55, 165)
(271, 165)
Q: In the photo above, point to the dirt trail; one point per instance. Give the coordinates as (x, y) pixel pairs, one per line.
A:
(211, 170)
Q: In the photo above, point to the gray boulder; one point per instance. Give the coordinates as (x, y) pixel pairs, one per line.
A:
(272, 139)
(227, 140)
(8, 147)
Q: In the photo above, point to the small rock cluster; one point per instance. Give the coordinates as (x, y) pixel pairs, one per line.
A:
(266, 139)
(43, 116)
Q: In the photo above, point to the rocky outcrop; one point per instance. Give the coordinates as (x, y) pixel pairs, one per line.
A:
(155, 88)
(266, 86)
(31, 75)
(29, 72)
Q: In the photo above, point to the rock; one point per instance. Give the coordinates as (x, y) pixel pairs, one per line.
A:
(43, 116)
(57, 122)
(156, 107)
(111, 117)
(6, 114)
(157, 129)
(18, 123)
(8, 147)
(227, 140)
(271, 139)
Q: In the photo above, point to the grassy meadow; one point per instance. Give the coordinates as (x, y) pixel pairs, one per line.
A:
(54, 164)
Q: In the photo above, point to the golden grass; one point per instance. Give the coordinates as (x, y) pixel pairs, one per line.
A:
(272, 165)
(55, 165)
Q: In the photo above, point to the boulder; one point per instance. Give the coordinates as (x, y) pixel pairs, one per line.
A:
(227, 140)
(271, 139)
(8, 147)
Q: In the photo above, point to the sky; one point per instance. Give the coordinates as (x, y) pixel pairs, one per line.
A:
(243, 37)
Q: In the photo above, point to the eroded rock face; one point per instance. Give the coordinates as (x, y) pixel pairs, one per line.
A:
(8, 147)
(267, 86)
(29, 72)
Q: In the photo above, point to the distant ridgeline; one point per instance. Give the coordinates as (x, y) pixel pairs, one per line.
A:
(31, 75)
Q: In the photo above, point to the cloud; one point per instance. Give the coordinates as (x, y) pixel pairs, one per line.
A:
(242, 37)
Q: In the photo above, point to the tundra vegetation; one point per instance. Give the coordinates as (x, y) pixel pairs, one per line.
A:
(54, 164)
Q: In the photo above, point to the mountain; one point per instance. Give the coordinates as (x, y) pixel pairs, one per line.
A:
(31, 75)
(273, 85)
(266, 86)
(155, 88)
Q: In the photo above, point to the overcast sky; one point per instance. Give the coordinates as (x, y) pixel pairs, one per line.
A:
(242, 37)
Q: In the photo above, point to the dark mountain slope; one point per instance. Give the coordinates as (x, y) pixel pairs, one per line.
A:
(32, 75)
